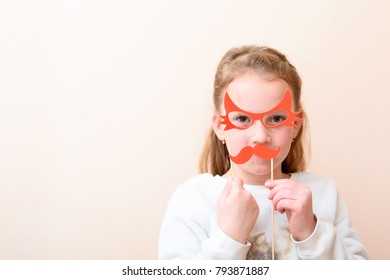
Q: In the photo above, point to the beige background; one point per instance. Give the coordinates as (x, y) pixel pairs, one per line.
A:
(104, 106)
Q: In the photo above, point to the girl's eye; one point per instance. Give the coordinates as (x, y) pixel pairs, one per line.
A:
(243, 119)
(240, 120)
(275, 120)
(278, 119)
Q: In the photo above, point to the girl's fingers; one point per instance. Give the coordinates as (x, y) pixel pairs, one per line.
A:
(270, 184)
(279, 200)
(283, 205)
(233, 185)
(282, 186)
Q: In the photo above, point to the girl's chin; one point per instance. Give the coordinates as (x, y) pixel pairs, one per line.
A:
(258, 170)
(258, 166)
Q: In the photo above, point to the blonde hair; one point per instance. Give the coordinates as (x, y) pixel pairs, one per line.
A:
(235, 63)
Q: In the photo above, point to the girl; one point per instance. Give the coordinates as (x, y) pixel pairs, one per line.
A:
(257, 133)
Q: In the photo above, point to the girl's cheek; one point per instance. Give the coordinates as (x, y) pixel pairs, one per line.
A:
(285, 146)
(236, 142)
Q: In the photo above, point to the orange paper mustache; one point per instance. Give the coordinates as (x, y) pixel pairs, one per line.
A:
(260, 150)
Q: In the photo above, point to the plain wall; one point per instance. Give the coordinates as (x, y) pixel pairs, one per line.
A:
(104, 107)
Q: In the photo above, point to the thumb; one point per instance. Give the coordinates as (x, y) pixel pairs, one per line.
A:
(227, 189)
(237, 184)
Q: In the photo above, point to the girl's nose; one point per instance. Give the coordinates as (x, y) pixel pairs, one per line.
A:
(260, 134)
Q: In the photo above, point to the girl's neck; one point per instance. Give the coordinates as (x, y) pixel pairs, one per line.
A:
(254, 179)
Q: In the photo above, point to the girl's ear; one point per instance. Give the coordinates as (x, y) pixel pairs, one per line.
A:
(218, 127)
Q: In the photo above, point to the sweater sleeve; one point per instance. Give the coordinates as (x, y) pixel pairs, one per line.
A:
(185, 232)
(336, 241)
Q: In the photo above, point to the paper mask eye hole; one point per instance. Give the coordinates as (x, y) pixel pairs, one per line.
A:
(240, 120)
(275, 118)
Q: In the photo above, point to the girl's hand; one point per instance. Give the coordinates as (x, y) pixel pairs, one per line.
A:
(237, 211)
(296, 200)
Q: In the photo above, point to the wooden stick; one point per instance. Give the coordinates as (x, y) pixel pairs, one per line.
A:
(272, 214)
(228, 147)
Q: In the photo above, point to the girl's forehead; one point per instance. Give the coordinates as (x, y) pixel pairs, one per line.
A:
(255, 93)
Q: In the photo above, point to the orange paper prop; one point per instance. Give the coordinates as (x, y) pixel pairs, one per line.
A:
(280, 115)
(284, 107)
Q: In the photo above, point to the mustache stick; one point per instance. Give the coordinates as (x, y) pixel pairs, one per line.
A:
(272, 207)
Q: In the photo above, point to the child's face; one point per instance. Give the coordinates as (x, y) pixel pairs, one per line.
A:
(257, 94)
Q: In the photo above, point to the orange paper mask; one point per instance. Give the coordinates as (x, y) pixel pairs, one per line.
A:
(280, 115)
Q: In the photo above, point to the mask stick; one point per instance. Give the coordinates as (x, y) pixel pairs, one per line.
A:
(228, 147)
(272, 213)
